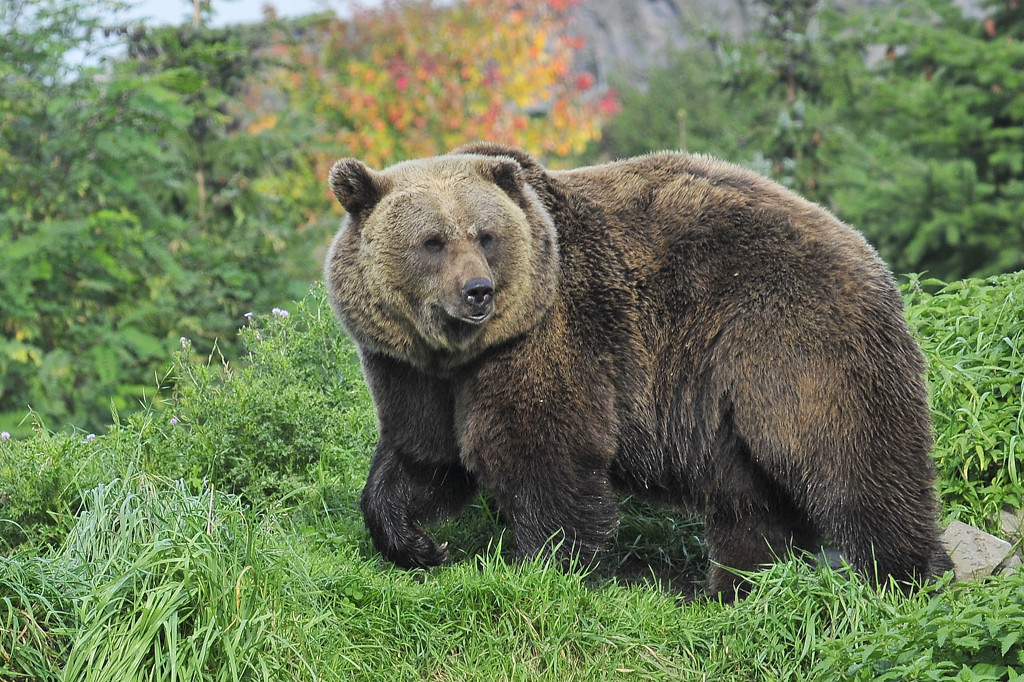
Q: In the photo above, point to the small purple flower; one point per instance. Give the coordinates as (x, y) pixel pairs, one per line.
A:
(248, 316)
(280, 312)
(91, 437)
(5, 436)
(174, 421)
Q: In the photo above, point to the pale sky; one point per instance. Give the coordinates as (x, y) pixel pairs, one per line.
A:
(229, 11)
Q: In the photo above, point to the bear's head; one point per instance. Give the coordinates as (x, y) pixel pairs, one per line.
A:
(440, 258)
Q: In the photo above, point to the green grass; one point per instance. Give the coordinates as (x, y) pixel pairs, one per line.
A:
(216, 535)
(973, 334)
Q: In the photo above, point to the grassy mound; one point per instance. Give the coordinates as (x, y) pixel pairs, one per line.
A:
(216, 535)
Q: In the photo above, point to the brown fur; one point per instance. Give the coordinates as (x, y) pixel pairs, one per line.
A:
(669, 325)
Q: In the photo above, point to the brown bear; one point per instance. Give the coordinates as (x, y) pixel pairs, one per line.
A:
(670, 326)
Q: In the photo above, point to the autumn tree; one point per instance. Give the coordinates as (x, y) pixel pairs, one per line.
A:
(416, 78)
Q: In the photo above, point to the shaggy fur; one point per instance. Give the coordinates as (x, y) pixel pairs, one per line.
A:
(670, 325)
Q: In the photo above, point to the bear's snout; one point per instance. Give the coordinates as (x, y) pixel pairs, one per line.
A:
(478, 294)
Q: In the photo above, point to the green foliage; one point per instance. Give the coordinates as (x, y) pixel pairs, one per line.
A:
(175, 585)
(71, 250)
(37, 616)
(933, 168)
(683, 106)
(270, 426)
(762, 102)
(129, 214)
(973, 333)
(152, 580)
(41, 482)
(971, 632)
(283, 424)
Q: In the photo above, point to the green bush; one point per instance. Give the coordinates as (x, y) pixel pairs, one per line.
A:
(293, 413)
(42, 480)
(131, 211)
(972, 332)
(293, 420)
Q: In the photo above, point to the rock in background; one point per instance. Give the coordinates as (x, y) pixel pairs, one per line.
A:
(977, 554)
(627, 38)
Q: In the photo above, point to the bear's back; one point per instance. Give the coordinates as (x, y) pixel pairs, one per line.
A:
(693, 227)
(729, 274)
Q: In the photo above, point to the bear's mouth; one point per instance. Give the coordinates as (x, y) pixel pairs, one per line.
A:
(455, 329)
(458, 332)
(467, 323)
(472, 315)
(477, 317)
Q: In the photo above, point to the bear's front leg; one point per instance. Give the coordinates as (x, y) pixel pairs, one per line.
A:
(542, 444)
(415, 476)
(400, 495)
(569, 514)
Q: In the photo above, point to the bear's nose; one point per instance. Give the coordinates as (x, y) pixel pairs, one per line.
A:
(478, 292)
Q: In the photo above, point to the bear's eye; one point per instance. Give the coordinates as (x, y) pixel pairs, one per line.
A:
(486, 240)
(433, 244)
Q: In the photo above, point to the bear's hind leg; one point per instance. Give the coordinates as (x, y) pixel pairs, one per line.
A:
(750, 539)
(891, 536)
(400, 495)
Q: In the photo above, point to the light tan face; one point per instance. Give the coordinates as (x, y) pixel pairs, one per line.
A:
(438, 250)
(443, 260)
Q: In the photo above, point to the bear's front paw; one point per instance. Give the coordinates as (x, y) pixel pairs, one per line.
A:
(415, 549)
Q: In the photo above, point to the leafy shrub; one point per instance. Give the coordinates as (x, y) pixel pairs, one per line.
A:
(970, 632)
(973, 334)
(267, 427)
(293, 420)
(130, 212)
(41, 482)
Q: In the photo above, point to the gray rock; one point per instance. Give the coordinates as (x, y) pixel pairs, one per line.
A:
(1011, 522)
(627, 38)
(976, 554)
(1011, 565)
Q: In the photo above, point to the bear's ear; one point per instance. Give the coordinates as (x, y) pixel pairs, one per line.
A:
(356, 186)
(506, 174)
